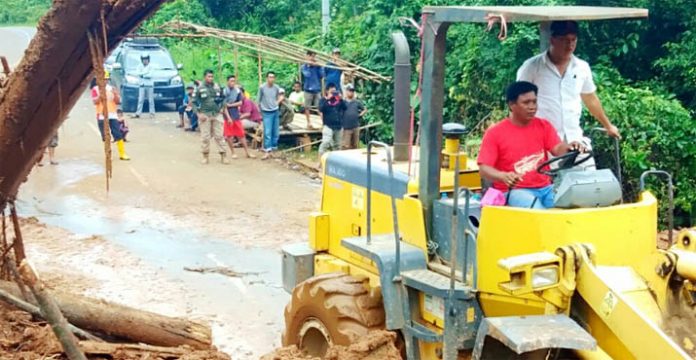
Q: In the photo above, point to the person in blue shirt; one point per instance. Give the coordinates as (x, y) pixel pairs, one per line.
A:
(334, 75)
(187, 108)
(312, 73)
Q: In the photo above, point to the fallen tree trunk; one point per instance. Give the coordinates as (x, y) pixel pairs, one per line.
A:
(36, 312)
(124, 322)
(51, 77)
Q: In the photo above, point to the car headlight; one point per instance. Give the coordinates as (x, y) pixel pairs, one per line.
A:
(544, 277)
(130, 79)
(175, 80)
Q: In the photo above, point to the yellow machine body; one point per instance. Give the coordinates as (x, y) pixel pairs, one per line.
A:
(623, 237)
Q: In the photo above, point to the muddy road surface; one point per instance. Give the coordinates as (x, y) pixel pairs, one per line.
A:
(165, 212)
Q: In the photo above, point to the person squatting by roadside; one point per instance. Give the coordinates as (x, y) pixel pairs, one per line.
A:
(112, 100)
(186, 109)
(296, 98)
(208, 103)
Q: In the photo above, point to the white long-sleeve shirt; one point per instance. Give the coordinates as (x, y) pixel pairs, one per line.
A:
(145, 73)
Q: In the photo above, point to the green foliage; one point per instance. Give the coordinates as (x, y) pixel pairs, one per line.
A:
(678, 68)
(22, 12)
(658, 134)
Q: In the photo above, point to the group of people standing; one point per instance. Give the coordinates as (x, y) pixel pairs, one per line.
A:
(337, 104)
(223, 114)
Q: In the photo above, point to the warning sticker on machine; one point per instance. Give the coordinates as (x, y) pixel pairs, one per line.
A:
(358, 198)
(608, 304)
(435, 306)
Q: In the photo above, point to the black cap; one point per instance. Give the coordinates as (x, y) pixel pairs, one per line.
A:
(562, 28)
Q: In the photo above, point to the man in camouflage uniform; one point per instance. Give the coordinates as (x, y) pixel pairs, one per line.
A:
(208, 102)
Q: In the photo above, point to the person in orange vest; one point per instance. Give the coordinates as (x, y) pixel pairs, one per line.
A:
(112, 100)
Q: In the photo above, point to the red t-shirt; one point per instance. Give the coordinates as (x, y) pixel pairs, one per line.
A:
(508, 147)
(248, 107)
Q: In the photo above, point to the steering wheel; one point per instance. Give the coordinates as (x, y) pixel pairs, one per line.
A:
(566, 161)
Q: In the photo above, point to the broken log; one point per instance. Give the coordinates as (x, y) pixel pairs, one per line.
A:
(52, 76)
(36, 312)
(51, 312)
(127, 323)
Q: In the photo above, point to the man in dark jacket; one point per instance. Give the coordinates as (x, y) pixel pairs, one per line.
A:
(312, 74)
(332, 108)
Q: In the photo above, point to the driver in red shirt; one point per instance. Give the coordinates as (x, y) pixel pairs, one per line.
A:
(513, 149)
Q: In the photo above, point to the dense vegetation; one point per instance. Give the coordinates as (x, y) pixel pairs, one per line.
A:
(644, 68)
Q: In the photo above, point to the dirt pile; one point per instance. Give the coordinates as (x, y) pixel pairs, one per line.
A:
(22, 338)
(378, 345)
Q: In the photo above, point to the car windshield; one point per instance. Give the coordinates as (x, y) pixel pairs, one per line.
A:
(160, 60)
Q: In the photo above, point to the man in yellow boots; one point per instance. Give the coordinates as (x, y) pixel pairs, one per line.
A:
(112, 100)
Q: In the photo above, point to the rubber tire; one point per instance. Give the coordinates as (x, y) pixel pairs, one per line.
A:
(344, 304)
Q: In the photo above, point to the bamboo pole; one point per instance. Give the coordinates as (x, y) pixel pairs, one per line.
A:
(219, 57)
(274, 47)
(52, 313)
(236, 61)
(260, 71)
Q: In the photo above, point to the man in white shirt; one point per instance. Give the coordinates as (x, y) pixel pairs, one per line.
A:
(147, 89)
(565, 82)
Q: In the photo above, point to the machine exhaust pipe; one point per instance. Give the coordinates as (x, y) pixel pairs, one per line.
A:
(402, 96)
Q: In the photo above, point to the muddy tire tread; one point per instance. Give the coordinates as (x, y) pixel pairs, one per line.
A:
(345, 298)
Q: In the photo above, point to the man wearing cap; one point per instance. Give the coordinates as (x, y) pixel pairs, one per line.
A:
(144, 71)
(333, 75)
(312, 74)
(565, 82)
(351, 119)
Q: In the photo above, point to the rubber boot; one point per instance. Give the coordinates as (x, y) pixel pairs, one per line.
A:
(223, 159)
(204, 160)
(122, 150)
